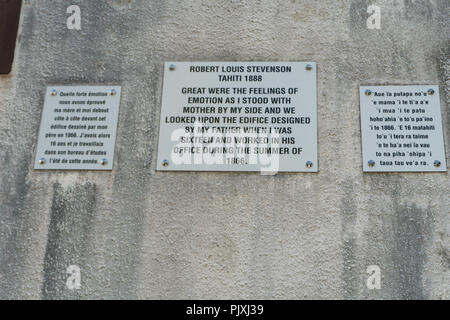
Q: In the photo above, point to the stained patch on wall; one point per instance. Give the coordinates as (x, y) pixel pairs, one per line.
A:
(72, 214)
(349, 240)
(412, 229)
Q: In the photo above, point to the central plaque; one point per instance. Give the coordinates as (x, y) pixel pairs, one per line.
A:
(239, 116)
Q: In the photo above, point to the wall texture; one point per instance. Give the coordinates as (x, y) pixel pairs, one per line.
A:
(138, 233)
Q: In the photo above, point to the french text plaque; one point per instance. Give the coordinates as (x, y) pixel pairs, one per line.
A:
(78, 128)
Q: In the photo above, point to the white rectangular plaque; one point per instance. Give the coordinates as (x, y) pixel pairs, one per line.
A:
(239, 116)
(402, 129)
(78, 128)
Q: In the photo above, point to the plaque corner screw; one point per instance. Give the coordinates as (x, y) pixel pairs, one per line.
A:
(308, 67)
(309, 164)
(53, 93)
(165, 163)
(437, 163)
(368, 92)
(430, 92)
(371, 163)
(103, 162)
(112, 92)
(172, 67)
(42, 161)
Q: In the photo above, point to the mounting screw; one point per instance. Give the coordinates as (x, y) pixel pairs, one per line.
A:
(42, 161)
(172, 67)
(430, 92)
(437, 163)
(53, 92)
(309, 164)
(103, 162)
(165, 163)
(368, 92)
(112, 92)
(308, 67)
(371, 163)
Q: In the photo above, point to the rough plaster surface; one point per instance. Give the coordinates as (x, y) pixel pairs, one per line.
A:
(138, 233)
